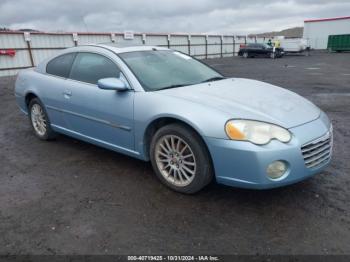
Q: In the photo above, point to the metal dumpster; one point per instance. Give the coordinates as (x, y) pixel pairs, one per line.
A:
(338, 43)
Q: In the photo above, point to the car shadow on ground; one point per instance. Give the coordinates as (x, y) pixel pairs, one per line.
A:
(142, 171)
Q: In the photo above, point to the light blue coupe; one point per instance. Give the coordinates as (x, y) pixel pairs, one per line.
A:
(192, 123)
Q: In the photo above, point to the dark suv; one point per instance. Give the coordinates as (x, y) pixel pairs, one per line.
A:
(254, 50)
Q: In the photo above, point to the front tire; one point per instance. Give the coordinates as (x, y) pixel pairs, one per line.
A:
(245, 55)
(180, 159)
(40, 121)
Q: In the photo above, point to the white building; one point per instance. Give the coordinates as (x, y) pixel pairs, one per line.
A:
(317, 31)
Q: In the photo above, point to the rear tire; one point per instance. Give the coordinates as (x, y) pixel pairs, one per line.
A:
(39, 120)
(180, 159)
(245, 55)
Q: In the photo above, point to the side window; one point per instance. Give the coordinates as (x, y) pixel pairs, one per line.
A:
(61, 65)
(89, 68)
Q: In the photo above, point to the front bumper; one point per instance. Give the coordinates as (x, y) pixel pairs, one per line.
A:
(243, 164)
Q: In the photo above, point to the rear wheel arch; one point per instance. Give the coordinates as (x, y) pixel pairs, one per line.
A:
(29, 97)
(39, 119)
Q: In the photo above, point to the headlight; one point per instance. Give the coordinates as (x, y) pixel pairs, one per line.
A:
(256, 132)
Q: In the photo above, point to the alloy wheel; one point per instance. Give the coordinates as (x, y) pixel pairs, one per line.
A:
(175, 160)
(38, 119)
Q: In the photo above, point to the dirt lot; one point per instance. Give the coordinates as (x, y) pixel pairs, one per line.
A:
(70, 197)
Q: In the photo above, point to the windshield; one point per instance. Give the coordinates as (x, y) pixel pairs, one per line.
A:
(163, 69)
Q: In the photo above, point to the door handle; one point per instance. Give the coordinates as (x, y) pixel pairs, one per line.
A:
(67, 93)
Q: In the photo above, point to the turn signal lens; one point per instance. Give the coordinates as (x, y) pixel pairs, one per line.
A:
(233, 132)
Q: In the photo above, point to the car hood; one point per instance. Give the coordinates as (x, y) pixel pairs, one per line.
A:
(250, 99)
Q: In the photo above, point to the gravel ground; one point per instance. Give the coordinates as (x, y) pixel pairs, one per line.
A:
(70, 197)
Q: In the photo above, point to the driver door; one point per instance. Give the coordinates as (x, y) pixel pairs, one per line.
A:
(104, 116)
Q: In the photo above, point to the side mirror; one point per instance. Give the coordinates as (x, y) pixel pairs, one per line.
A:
(112, 83)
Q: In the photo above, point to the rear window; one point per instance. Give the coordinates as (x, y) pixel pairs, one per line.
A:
(61, 65)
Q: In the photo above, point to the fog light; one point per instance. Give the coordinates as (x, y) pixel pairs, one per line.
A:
(276, 169)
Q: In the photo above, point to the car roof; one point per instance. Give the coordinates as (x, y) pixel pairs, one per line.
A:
(117, 48)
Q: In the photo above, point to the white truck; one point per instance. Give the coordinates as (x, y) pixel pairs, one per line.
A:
(293, 45)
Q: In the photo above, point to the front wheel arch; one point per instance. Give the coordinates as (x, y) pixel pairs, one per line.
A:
(203, 173)
(163, 121)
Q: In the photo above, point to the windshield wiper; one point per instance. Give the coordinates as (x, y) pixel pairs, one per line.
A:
(180, 85)
(171, 86)
(213, 79)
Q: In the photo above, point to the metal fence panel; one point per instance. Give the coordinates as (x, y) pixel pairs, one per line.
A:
(179, 43)
(198, 45)
(10, 40)
(214, 40)
(178, 39)
(183, 49)
(228, 39)
(93, 39)
(214, 51)
(21, 59)
(228, 48)
(136, 41)
(39, 46)
(51, 41)
(161, 40)
(198, 40)
(198, 50)
(9, 72)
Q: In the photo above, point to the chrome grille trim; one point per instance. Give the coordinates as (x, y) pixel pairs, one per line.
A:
(320, 161)
(314, 146)
(318, 151)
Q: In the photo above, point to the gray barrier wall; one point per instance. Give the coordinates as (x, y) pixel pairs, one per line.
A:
(31, 48)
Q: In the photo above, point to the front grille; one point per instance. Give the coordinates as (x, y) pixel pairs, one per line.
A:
(319, 151)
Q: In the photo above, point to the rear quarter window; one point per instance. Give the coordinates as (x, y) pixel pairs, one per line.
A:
(61, 65)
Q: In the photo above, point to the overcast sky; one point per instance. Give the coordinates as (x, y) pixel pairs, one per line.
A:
(192, 16)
